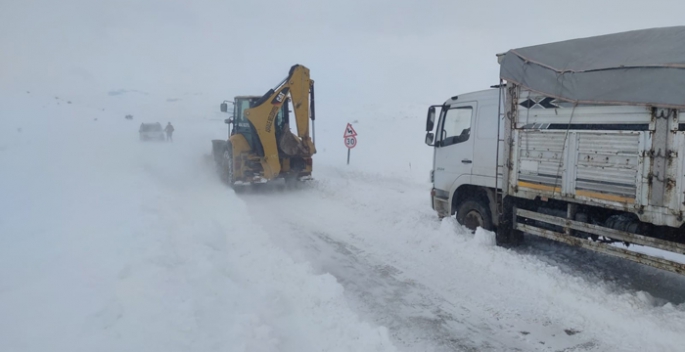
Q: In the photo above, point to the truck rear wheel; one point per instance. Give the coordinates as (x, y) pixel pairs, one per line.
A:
(474, 213)
(506, 235)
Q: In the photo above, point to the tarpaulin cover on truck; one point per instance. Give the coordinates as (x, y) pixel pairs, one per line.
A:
(641, 67)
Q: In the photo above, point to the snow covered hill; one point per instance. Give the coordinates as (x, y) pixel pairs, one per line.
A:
(110, 244)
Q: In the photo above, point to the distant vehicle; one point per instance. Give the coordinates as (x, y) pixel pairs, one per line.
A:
(151, 132)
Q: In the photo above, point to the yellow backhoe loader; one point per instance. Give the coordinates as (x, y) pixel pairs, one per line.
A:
(260, 146)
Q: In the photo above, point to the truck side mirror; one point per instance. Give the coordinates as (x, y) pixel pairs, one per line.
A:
(429, 138)
(430, 119)
(224, 107)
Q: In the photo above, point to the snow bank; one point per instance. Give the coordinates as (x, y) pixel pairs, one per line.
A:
(109, 244)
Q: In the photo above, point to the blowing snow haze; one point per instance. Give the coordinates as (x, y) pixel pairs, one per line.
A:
(201, 52)
(112, 243)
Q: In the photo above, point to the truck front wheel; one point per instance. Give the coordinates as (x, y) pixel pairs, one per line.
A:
(474, 213)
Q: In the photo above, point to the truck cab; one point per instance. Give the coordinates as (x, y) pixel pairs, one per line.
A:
(588, 158)
(463, 133)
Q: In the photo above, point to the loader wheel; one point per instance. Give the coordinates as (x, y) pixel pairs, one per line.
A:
(229, 173)
(473, 213)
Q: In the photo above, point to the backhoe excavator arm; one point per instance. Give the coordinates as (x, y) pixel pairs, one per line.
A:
(299, 87)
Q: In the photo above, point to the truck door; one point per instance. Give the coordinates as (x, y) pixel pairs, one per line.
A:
(454, 146)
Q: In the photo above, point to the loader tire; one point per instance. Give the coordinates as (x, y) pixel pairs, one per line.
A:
(474, 213)
(228, 173)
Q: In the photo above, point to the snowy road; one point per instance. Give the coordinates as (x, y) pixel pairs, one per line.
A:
(439, 289)
(107, 243)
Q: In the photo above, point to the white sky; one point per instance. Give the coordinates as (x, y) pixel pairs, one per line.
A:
(359, 51)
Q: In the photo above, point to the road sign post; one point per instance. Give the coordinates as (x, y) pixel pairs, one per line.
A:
(350, 139)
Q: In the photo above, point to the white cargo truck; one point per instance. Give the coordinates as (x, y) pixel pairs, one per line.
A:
(582, 142)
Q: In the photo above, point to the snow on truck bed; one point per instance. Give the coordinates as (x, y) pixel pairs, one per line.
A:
(107, 243)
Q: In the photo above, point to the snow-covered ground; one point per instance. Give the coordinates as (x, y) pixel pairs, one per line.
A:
(107, 243)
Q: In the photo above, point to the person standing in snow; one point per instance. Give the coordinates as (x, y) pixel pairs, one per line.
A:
(169, 131)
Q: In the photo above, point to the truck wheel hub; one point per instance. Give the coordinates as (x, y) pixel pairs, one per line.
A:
(473, 220)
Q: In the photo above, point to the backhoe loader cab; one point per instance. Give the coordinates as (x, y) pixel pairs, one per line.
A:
(260, 145)
(239, 123)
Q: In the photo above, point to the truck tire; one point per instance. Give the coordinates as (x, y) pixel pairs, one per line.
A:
(506, 236)
(474, 213)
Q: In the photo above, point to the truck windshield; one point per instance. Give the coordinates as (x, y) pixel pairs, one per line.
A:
(456, 125)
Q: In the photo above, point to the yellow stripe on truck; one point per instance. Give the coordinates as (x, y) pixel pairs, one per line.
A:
(539, 187)
(580, 193)
(605, 196)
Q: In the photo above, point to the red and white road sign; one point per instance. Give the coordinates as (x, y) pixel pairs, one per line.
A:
(349, 132)
(351, 142)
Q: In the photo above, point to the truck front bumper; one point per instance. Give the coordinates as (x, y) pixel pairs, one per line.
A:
(440, 203)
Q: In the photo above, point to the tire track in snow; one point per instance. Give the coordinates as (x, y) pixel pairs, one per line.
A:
(418, 317)
(414, 315)
(322, 223)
